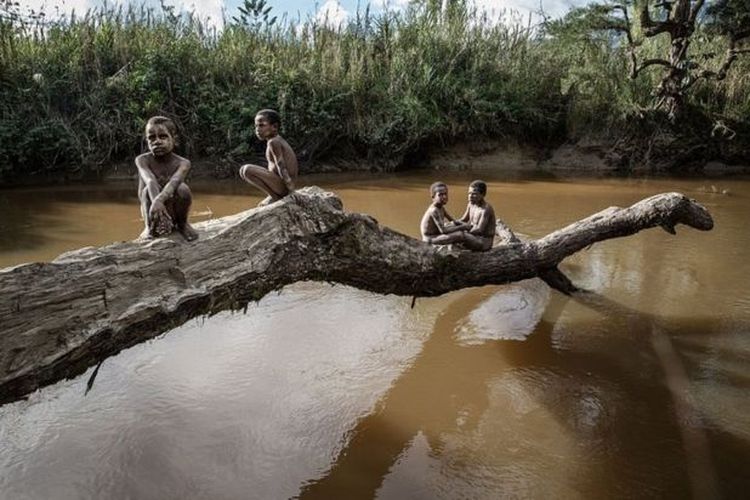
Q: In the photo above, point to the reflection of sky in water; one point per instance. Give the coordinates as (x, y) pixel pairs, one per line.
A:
(254, 406)
(510, 313)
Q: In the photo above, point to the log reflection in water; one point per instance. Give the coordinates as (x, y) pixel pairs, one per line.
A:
(604, 416)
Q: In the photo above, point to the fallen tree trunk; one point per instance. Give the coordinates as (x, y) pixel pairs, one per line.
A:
(61, 317)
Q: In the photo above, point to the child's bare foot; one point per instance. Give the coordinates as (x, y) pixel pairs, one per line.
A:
(265, 201)
(145, 235)
(188, 232)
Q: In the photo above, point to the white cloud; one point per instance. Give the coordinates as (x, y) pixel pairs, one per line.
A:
(390, 4)
(332, 14)
(210, 10)
(552, 8)
(509, 10)
(52, 7)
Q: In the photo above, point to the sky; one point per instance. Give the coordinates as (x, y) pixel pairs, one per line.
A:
(335, 11)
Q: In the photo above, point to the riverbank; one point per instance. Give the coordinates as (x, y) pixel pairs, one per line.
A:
(385, 94)
(583, 157)
(587, 156)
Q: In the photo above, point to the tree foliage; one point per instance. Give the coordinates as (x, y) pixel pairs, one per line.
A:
(669, 37)
(75, 92)
(380, 87)
(729, 17)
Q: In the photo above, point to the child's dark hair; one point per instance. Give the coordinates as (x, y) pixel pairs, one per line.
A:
(273, 116)
(435, 185)
(480, 186)
(163, 120)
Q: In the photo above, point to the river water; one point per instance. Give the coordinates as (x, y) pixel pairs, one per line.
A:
(637, 389)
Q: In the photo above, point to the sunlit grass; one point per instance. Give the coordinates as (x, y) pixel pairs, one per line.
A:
(76, 92)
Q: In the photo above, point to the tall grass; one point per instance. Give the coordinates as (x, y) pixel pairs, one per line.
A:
(75, 93)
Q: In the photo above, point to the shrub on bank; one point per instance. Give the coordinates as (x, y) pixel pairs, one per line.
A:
(75, 93)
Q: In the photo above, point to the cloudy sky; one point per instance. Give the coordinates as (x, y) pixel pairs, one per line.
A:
(335, 10)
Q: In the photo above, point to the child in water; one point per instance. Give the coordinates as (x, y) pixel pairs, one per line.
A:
(165, 198)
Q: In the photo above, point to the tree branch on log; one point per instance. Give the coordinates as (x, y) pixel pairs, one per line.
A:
(61, 317)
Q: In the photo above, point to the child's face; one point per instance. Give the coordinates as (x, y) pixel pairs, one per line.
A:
(440, 197)
(475, 196)
(263, 129)
(160, 141)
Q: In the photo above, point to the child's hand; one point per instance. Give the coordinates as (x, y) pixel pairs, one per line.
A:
(162, 226)
(157, 209)
(289, 183)
(160, 222)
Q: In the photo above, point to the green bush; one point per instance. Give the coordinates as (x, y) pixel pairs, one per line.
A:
(75, 93)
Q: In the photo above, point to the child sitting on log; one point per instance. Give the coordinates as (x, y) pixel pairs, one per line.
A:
(479, 219)
(165, 198)
(437, 227)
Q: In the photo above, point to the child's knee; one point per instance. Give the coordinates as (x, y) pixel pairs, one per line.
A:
(183, 192)
(244, 171)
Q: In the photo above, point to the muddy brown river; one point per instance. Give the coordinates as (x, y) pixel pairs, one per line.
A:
(639, 389)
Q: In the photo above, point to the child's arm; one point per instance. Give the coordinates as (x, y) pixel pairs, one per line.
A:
(465, 217)
(158, 208)
(441, 226)
(277, 154)
(174, 182)
(157, 212)
(459, 223)
(147, 176)
(454, 222)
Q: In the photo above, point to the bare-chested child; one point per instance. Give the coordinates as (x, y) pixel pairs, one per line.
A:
(437, 227)
(165, 198)
(480, 219)
(278, 179)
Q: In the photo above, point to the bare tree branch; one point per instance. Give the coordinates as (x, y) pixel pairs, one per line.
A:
(647, 63)
(652, 28)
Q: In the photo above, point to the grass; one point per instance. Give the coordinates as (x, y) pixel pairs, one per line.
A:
(75, 93)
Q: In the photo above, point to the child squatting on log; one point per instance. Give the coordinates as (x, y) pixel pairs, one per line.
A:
(165, 198)
(278, 179)
(475, 229)
(439, 228)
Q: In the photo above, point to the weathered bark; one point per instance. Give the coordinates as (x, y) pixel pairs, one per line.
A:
(61, 317)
